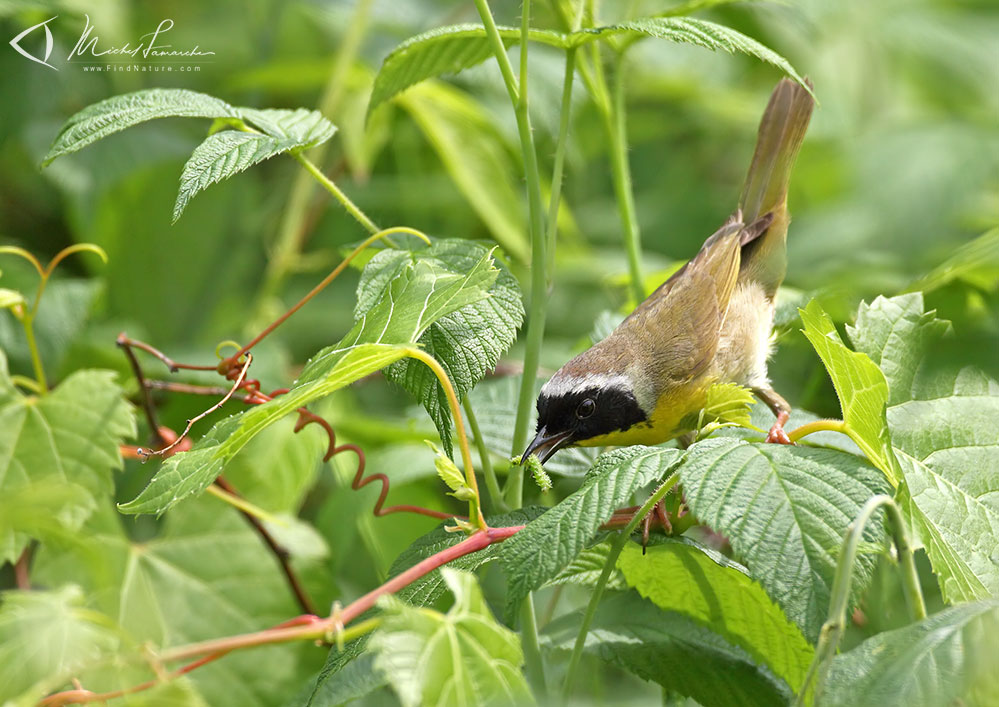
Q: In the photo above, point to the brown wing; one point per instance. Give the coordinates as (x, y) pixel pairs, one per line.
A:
(677, 326)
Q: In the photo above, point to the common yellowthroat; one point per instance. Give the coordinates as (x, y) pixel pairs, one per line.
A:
(708, 323)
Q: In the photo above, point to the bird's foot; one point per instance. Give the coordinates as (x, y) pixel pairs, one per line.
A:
(659, 511)
(777, 434)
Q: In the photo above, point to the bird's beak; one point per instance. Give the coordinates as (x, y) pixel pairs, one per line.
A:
(545, 445)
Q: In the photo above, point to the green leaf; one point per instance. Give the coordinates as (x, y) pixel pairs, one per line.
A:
(114, 114)
(860, 385)
(946, 441)
(719, 594)
(947, 659)
(448, 50)
(447, 470)
(68, 438)
(45, 638)
(229, 152)
(488, 177)
(222, 155)
(460, 658)
(729, 403)
(205, 575)
(416, 298)
(785, 510)
(444, 50)
(547, 545)
(976, 263)
(305, 128)
(189, 473)
(671, 650)
(586, 569)
(467, 342)
(686, 30)
(895, 334)
(495, 403)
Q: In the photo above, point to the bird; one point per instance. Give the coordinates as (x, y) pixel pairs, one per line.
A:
(711, 322)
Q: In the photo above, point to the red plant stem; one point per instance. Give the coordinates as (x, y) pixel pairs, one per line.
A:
(473, 543)
(22, 569)
(147, 399)
(279, 551)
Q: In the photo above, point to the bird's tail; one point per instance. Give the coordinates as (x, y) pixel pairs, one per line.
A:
(782, 130)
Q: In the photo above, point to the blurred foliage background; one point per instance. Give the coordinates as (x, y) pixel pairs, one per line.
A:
(899, 173)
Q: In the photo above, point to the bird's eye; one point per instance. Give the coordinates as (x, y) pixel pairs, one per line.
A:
(586, 408)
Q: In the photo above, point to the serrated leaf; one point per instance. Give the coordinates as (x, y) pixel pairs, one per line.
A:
(205, 575)
(447, 470)
(443, 50)
(860, 386)
(686, 30)
(547, 545)
(671, 650)
(305, 128)
(467, 342)
(222, 155)
(488, 176)
(416, 298)
(495, 404)
(729, 403)
(785, 510)
(894, 333)
(117, 113)
(946, 441)
(682, 576)
(68, 438)
(460, 658)
(586, 569)
(45, 637)
(448, 50)
(946, 659)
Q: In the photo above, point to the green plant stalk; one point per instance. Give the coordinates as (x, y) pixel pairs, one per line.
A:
(534, 664)
(621, 176)
(27, 321)
(559, 166)
(832, 629)
(538, 307)
(495, 494)
(598, 589)
(287, 247)
(333, 189)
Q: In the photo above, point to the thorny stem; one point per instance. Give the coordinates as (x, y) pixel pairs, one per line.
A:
(495, 494)
(326, 281)
(832, 629)
(598, 589)
(333, 189)
(278, 550)
(539, 260)
(621, 173)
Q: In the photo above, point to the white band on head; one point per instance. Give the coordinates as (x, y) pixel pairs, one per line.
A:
(565, 384)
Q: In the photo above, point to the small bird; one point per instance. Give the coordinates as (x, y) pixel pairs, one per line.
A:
(709, 323)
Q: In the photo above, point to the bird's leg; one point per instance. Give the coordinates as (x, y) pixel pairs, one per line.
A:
(659, 511)
(781, 408)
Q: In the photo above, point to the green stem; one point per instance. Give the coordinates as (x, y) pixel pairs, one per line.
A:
(539, 278)
(533, 661)
(832, 629)
(333, 189)
(288, 245)
(598, 589)
(557, 169)
(621, 175)
(28, 321)
(808, 428)
(485, 461)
